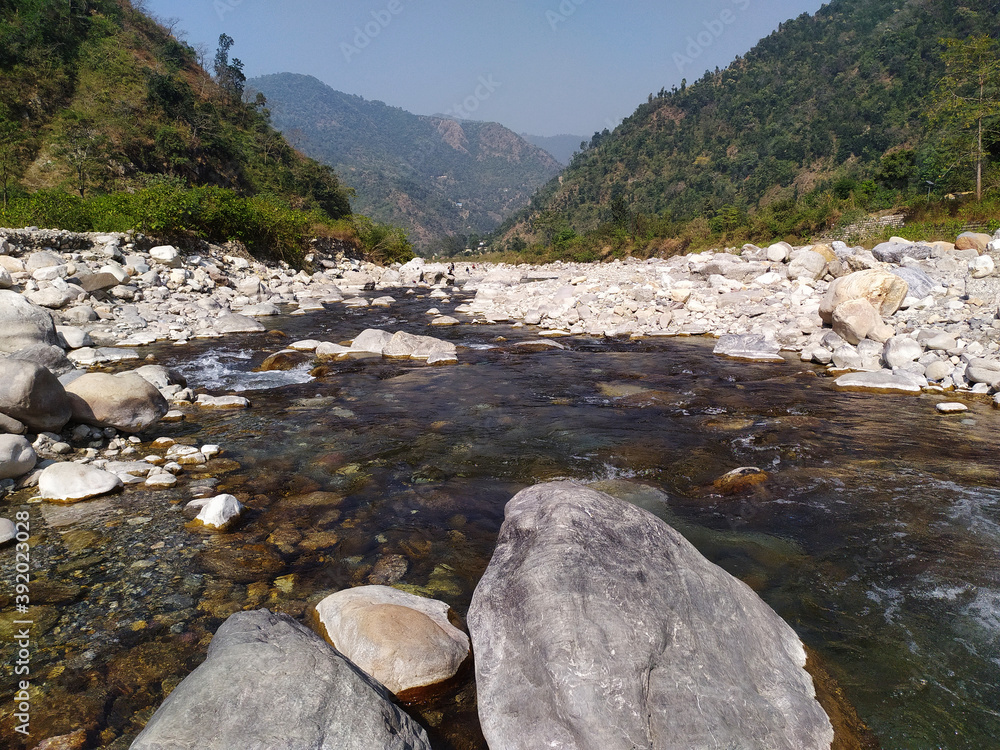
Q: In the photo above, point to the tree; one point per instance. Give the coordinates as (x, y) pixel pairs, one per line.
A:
(82, 146)
(229, 75)
(13, 150)
(966, 100)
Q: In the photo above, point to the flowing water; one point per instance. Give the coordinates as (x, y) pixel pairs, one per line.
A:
(876, 535)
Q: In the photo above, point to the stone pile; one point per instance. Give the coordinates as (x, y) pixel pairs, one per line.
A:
(924, 313)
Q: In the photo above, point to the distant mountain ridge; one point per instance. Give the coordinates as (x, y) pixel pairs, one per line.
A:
(562, 147)
(830, 102)
(436, 177)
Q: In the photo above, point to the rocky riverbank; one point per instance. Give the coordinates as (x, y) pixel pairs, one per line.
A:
(903, 316)
(918, 317)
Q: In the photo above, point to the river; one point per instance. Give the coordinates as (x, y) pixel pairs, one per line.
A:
(876, 535)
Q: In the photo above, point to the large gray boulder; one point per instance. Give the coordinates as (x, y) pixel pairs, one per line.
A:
(52, 358)
(33, 396)
(125, 401)
(23, 324)
(269, 683)
(233, 323)
(596, 626)
(807, 264)
(894, 252)
(919, 283)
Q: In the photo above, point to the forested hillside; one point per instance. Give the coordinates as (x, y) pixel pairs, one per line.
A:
(825, 115)
(107, 121)
(434, 176)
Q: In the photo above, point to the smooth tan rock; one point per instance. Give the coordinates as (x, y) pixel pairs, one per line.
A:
(854, 319)
(403, 641)
(883, 290)
(125, 401)
(973, 241)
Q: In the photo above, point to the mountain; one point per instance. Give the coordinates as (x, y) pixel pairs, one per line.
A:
(830, 107)
(436, 177)
(98, 98)
(562, 147)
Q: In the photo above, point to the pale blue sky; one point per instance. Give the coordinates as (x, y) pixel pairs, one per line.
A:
(539, 66)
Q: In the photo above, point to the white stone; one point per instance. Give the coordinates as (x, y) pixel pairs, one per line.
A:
(17, 457)
(219, 512)
(981, 267)
(951, 408)
(222, 402)
(70, 482)
(8, 530)
(881, 382)
(168, 255)
(900, 351)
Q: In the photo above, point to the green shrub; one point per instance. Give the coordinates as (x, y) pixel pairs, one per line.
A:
(383, 243)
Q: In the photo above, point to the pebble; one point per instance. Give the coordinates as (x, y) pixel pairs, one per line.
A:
(952, 408)
(161, 481)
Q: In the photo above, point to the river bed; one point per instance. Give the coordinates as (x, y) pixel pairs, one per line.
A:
(876, 535)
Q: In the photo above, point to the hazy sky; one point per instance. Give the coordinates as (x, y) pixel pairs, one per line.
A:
(539, 66)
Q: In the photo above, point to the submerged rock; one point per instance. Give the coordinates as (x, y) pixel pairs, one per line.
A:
(402, 640)
(739, 480)
(269, 682)
(596, 625)
(752, 347)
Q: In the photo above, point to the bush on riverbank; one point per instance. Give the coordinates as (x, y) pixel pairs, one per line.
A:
(268, 225)
(818, 215)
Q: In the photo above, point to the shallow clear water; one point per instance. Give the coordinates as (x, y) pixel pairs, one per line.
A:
(876, 535)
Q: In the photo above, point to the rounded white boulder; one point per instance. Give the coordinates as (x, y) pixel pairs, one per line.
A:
(17, 457)
(70, 483)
